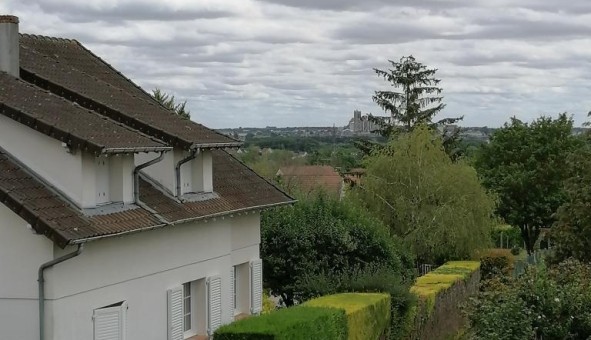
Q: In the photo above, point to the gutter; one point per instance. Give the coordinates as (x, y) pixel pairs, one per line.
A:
(166, 223)
(177, 170)
(41, 282)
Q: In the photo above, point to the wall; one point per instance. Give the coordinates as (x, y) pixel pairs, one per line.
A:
(45, 156)
(21, 254)
(139, 268)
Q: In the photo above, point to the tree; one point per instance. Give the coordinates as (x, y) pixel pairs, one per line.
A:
(170, 103)
(327, 237)
(571, 233)
(415, 100)
(432, 203)
(525, 165)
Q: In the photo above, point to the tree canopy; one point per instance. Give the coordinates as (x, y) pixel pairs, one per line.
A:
(320, 236)
(432, 203)
(524, 163)
(170, 103)
(571, 233)
(415, 99)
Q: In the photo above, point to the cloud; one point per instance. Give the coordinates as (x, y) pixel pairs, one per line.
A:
(303, 62)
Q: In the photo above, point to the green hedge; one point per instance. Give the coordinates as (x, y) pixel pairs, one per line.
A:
(368, 314)
(295, 323)
(440, 293)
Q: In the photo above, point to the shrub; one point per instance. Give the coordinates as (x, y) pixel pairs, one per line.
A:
(495, 262)
(370, 279)
(297, 323)
(324, 236)
(368, 314)
(515, 251)
(437, 314)
(542, 303)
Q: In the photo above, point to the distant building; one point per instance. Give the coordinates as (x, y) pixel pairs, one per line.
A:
(310, 178)
(361, 124)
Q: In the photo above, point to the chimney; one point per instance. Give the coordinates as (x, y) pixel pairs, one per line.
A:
(9, 45)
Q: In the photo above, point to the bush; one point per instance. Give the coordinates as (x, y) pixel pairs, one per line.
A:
(496, 262)
(370, 279)
(515, 251)
(297, 323)
(324, 236)
(437, 314)
(542, 303)
(368, 314)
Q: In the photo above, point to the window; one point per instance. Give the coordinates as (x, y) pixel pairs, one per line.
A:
(102, 180)
(187, 306)
(234, 290)
(187, 310)
(110, 322)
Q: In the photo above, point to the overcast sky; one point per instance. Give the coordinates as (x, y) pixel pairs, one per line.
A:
(309, 62)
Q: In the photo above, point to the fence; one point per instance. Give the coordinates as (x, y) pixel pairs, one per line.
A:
(537, 257)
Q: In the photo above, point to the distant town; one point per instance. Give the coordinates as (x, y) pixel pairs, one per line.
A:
(359, 126)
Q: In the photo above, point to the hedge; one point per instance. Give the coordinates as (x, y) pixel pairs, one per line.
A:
(441, 292)
(296, 323)
(368, 314)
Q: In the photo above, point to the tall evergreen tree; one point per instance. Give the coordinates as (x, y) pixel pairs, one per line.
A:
(414, 100)
(170, 103)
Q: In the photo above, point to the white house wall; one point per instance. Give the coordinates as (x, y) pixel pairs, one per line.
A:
(140, 269)
(45, 156)
(21, 254)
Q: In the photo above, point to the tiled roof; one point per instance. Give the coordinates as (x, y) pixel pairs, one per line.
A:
(78, 78)
(309, 178)
(68, 122)
(66, 68)
(238, 187)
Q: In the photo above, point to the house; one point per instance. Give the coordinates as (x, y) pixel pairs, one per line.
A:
(118, 219)
(310, 178)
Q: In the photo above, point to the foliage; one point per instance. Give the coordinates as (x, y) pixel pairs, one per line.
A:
(506, 236)
(300, 322)
(495, 263)
(524, 164)
(415, 100)
(428, 286)
(571, 235)
(170, 103)
(368, 314)
(266, 163)
(435, 205)
(437, 313)
(268, 303)
(379, 279)
(323, 236)
(543, 303)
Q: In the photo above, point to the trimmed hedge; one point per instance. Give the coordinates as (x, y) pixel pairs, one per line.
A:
(441, 292)
(298, 323)
(368, 314)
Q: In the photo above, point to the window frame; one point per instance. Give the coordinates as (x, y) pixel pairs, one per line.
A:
(192, 330)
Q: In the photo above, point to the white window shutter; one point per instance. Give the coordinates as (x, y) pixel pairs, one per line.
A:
(256, 286)
(109, 323)
(214, 303)
(175, 313)
(232, 291)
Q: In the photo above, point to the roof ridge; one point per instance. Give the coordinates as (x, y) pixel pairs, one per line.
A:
(46, 37)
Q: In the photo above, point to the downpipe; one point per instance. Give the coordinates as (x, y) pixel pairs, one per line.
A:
(177, 170)
(41, 282)
(136, 175)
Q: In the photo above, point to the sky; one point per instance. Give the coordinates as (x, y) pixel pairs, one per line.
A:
(257, 63)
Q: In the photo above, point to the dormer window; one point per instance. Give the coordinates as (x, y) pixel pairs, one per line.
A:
(202, 173)
(102, 180)
(109, 181)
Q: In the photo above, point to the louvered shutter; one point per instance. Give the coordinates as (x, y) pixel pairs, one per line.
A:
(175, 314)
(232, 292)
(214, 303)
(109, 323)
(256, 286)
